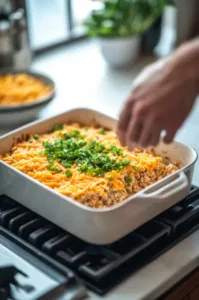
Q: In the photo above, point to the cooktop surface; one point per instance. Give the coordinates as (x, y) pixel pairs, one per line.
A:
(39, 259)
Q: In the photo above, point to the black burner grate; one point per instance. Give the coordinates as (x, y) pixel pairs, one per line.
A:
(100, 267)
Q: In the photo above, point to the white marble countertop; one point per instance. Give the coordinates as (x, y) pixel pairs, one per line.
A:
(83, 80)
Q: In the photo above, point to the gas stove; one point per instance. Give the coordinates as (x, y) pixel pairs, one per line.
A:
(41, 261)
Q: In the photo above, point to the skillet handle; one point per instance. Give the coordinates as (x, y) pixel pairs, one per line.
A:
(178, 187)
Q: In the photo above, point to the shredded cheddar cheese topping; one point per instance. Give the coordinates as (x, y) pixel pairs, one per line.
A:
(21, 89)
(87, 164)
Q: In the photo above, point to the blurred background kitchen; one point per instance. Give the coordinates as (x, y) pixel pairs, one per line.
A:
(92, 50)
(87, 54)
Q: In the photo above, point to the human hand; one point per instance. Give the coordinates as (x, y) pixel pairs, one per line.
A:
(162, 96)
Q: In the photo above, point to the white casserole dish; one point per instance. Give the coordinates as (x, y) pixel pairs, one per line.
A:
(97, 226)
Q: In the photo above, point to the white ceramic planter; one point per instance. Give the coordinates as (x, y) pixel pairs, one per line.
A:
(167, 42)
(119, 52)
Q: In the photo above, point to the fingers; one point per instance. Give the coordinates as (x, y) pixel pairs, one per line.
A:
(133, 132)
(156, 137)
(151, 133)
(139, 126)
(126, 115)
(169, 137)
(150, 136)
(123, 122)
(146, 136)
(143, 131)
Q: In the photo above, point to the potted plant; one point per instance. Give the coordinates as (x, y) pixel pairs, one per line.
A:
(118, 26)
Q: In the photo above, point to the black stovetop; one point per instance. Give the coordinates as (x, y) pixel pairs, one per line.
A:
(64, 258)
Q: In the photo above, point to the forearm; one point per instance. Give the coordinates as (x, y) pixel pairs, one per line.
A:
(162, 98)
(186, 59)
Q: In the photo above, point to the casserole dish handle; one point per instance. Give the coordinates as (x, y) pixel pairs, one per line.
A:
(179, 186)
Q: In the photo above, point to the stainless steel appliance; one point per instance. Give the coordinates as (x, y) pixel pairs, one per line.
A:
(15, 50)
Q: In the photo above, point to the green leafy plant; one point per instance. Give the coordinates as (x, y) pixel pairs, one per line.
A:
(123, 18)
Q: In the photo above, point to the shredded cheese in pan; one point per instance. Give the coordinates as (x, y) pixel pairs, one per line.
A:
(18, 89)
(87, 164)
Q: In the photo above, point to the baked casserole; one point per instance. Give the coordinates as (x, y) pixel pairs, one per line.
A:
(87, 164)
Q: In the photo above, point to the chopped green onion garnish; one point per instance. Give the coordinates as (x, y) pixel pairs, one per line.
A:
(52, 167)
(102, 131)
(57, 127)
(68, 173)
(90, 157)
(67, 165)
(128, 179)
(135, 168)
(36, 136)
